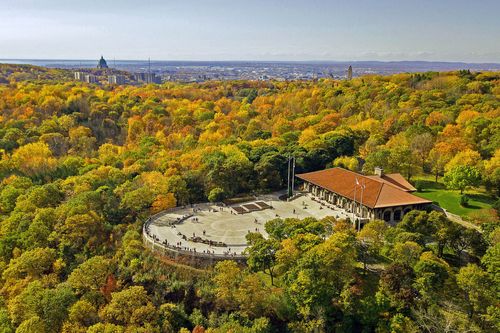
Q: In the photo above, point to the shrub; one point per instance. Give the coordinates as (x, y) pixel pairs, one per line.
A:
(419, 185)
(216, 194)
(464, 201)
(496, 205)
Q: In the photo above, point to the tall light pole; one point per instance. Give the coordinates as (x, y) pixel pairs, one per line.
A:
(288, 178)
(293, 174)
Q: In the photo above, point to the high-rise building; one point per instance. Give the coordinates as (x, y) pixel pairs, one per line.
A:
(89, 78)
(116, 79)
(349, 73)
(80, 76)
(152, 78)
(147, 77)
(102, 63)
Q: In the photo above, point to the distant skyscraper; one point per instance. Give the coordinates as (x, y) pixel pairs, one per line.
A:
(139, 77)
(349, 73)
(152, 78)
(147, 77)
(80, 76)
(102, 63)
(89, 78)
(116, 79)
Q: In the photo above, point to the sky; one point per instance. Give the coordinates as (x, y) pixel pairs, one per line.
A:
(386, 30)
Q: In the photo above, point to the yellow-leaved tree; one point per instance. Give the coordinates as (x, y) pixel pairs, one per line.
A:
(34, 159)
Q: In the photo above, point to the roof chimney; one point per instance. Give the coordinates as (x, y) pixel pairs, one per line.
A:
(379, 171)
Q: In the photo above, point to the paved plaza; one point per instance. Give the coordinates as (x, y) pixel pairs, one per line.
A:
(221, 231)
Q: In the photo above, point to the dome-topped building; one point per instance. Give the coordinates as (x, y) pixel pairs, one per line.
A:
(102, 63)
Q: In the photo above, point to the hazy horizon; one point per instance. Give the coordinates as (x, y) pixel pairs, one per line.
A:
(311, 61)
(223, 30)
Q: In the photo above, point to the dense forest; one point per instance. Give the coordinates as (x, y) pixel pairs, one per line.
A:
(83, 165)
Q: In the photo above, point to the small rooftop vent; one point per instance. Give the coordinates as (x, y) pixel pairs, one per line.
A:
(379, 171)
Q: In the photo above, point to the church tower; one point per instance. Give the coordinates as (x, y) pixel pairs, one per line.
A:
(102, 63)
(349, 73)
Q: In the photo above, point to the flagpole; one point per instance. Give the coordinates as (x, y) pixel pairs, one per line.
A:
(288, 180)
(354, 204)
(361, 204)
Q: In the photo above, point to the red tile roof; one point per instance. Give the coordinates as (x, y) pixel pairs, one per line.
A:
(378, 192)
(395, 179)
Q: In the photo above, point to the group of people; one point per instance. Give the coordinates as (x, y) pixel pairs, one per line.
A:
(198, 239)
(178, 246)
(213, 210)
(329, 205)
(178, 220)
(182, 235)
(148, 231)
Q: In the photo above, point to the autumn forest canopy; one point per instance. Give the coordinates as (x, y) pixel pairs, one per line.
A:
(83, 165)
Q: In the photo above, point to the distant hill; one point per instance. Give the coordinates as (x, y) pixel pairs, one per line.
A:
(18, 73)
(25, 72)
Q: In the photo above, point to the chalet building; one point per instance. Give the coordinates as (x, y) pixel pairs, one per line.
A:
(382, 196)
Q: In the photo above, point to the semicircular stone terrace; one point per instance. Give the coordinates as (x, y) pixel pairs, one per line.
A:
(218, 230)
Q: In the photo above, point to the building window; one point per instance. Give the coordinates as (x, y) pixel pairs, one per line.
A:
(364, 212)
(397, 215)
(387, 216)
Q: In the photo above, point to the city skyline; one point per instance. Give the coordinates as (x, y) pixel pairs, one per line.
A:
(222, 30)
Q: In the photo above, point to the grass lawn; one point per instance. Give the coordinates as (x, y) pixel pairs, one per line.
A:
(450, 200)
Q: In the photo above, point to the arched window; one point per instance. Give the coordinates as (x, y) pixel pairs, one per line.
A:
(397, 215)
(387, 216)
(406, 211)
